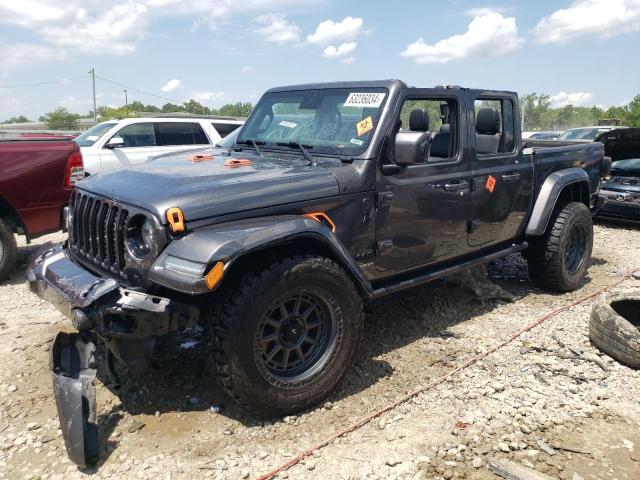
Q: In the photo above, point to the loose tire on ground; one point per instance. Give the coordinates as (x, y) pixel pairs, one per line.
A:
(8, 250)
(614, 328)
(558, 260)
(276, 307)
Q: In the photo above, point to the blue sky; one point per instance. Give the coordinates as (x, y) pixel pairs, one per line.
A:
(219, 51)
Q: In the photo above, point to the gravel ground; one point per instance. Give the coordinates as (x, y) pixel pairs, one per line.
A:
(535, 402)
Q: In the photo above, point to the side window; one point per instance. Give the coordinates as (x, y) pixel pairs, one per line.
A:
(225, 129)
(494, 126)
(438, 117)
(182, 133)
(138, 135)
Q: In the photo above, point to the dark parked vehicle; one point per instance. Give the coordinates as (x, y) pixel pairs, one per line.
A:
(622, 187)
(333, 195)
(36, 178)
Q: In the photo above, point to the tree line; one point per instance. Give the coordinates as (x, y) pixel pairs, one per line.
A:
(538, 114)
(62, 119)
(536, 111)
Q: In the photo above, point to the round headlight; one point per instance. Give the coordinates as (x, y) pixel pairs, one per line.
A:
(141, 236)
(147, 234)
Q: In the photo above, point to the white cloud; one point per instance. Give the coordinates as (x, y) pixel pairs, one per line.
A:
(340, 51)
(276, 28)
(329, 31)
(480, 11)
(171, 85)
(577, 99)
(116, 27)
(599, 18)
(487, 35)
(17, 55)
(246, 69)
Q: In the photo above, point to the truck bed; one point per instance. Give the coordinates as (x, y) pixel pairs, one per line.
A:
(32, 177)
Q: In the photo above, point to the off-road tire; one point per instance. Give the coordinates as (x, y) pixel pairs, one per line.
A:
(612, 333)
(236, 321)
(8, 250)
(546, 256)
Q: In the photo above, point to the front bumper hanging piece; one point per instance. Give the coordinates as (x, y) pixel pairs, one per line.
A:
(74, 386)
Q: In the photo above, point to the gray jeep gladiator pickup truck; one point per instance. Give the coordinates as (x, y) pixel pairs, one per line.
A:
(332, 195)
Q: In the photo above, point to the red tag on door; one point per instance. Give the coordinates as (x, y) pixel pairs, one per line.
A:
(491, 183)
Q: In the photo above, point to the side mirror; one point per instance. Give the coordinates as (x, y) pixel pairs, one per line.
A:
(115, 142)
(410, 148)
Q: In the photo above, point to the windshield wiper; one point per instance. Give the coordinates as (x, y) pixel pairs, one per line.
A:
(302, 148)
(254, 144)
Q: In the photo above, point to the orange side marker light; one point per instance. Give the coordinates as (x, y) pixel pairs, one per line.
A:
(175, 217)
(214, 276)
(322, 218)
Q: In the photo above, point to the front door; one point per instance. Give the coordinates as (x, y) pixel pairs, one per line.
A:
(501, 177)
(423, 209)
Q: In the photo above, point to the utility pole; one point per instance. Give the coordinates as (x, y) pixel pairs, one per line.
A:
(126, 100)
(93, 82)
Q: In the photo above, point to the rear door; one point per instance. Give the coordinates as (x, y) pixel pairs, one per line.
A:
(501, 177)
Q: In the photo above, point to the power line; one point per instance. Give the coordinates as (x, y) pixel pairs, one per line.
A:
(48, 82)
(137, 89)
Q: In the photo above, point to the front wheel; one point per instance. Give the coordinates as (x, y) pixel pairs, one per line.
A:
(287, 334)
(558, 260)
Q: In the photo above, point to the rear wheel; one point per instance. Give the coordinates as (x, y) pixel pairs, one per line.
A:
(8, 250)
(558, 260)
(286, 335)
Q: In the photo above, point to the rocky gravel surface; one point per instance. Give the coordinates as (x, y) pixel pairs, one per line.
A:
(548, 401)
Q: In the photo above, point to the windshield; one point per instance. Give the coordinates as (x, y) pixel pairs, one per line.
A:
(92, 135)
(582, 133)
(331, 121)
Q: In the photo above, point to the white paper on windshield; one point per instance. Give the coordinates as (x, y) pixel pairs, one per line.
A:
(366, 100)
(284, 123)
(93, 138)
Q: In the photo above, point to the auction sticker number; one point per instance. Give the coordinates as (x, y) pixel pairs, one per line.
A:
(367, 100)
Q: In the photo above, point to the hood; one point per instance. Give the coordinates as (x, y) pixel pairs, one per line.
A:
(621, 144)
(208, 188)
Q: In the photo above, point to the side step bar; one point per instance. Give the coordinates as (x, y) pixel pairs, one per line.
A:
(435, 274)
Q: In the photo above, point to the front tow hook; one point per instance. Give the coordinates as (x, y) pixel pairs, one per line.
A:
(74, 386)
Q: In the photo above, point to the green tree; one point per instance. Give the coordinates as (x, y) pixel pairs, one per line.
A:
(633, 112)
(110, 113)
(18, 119)
(171, 108)
(195, 107)
(239, 109)
(535, 111)
(61, 119)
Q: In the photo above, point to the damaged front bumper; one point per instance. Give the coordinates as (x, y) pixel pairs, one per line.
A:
(129, 322)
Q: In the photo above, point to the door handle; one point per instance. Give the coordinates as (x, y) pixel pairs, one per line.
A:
(456, 185)
(510, 177)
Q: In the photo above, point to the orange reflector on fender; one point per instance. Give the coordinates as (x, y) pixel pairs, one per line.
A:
(176, 220)
(214, 276)
(322, 218)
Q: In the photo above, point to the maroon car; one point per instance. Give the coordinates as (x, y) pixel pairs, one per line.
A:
(36, 178)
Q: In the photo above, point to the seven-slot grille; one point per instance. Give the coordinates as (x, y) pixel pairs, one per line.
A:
(96, 232)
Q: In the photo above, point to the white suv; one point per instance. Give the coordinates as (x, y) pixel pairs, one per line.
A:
(119, 143)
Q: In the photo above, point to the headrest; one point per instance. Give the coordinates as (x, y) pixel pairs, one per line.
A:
(488, 121)
(444, 127)
(419, 120)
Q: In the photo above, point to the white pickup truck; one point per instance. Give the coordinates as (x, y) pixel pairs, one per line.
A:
(120, 143)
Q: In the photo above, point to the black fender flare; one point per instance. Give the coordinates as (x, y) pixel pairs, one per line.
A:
(228, 242)
(548, 197)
